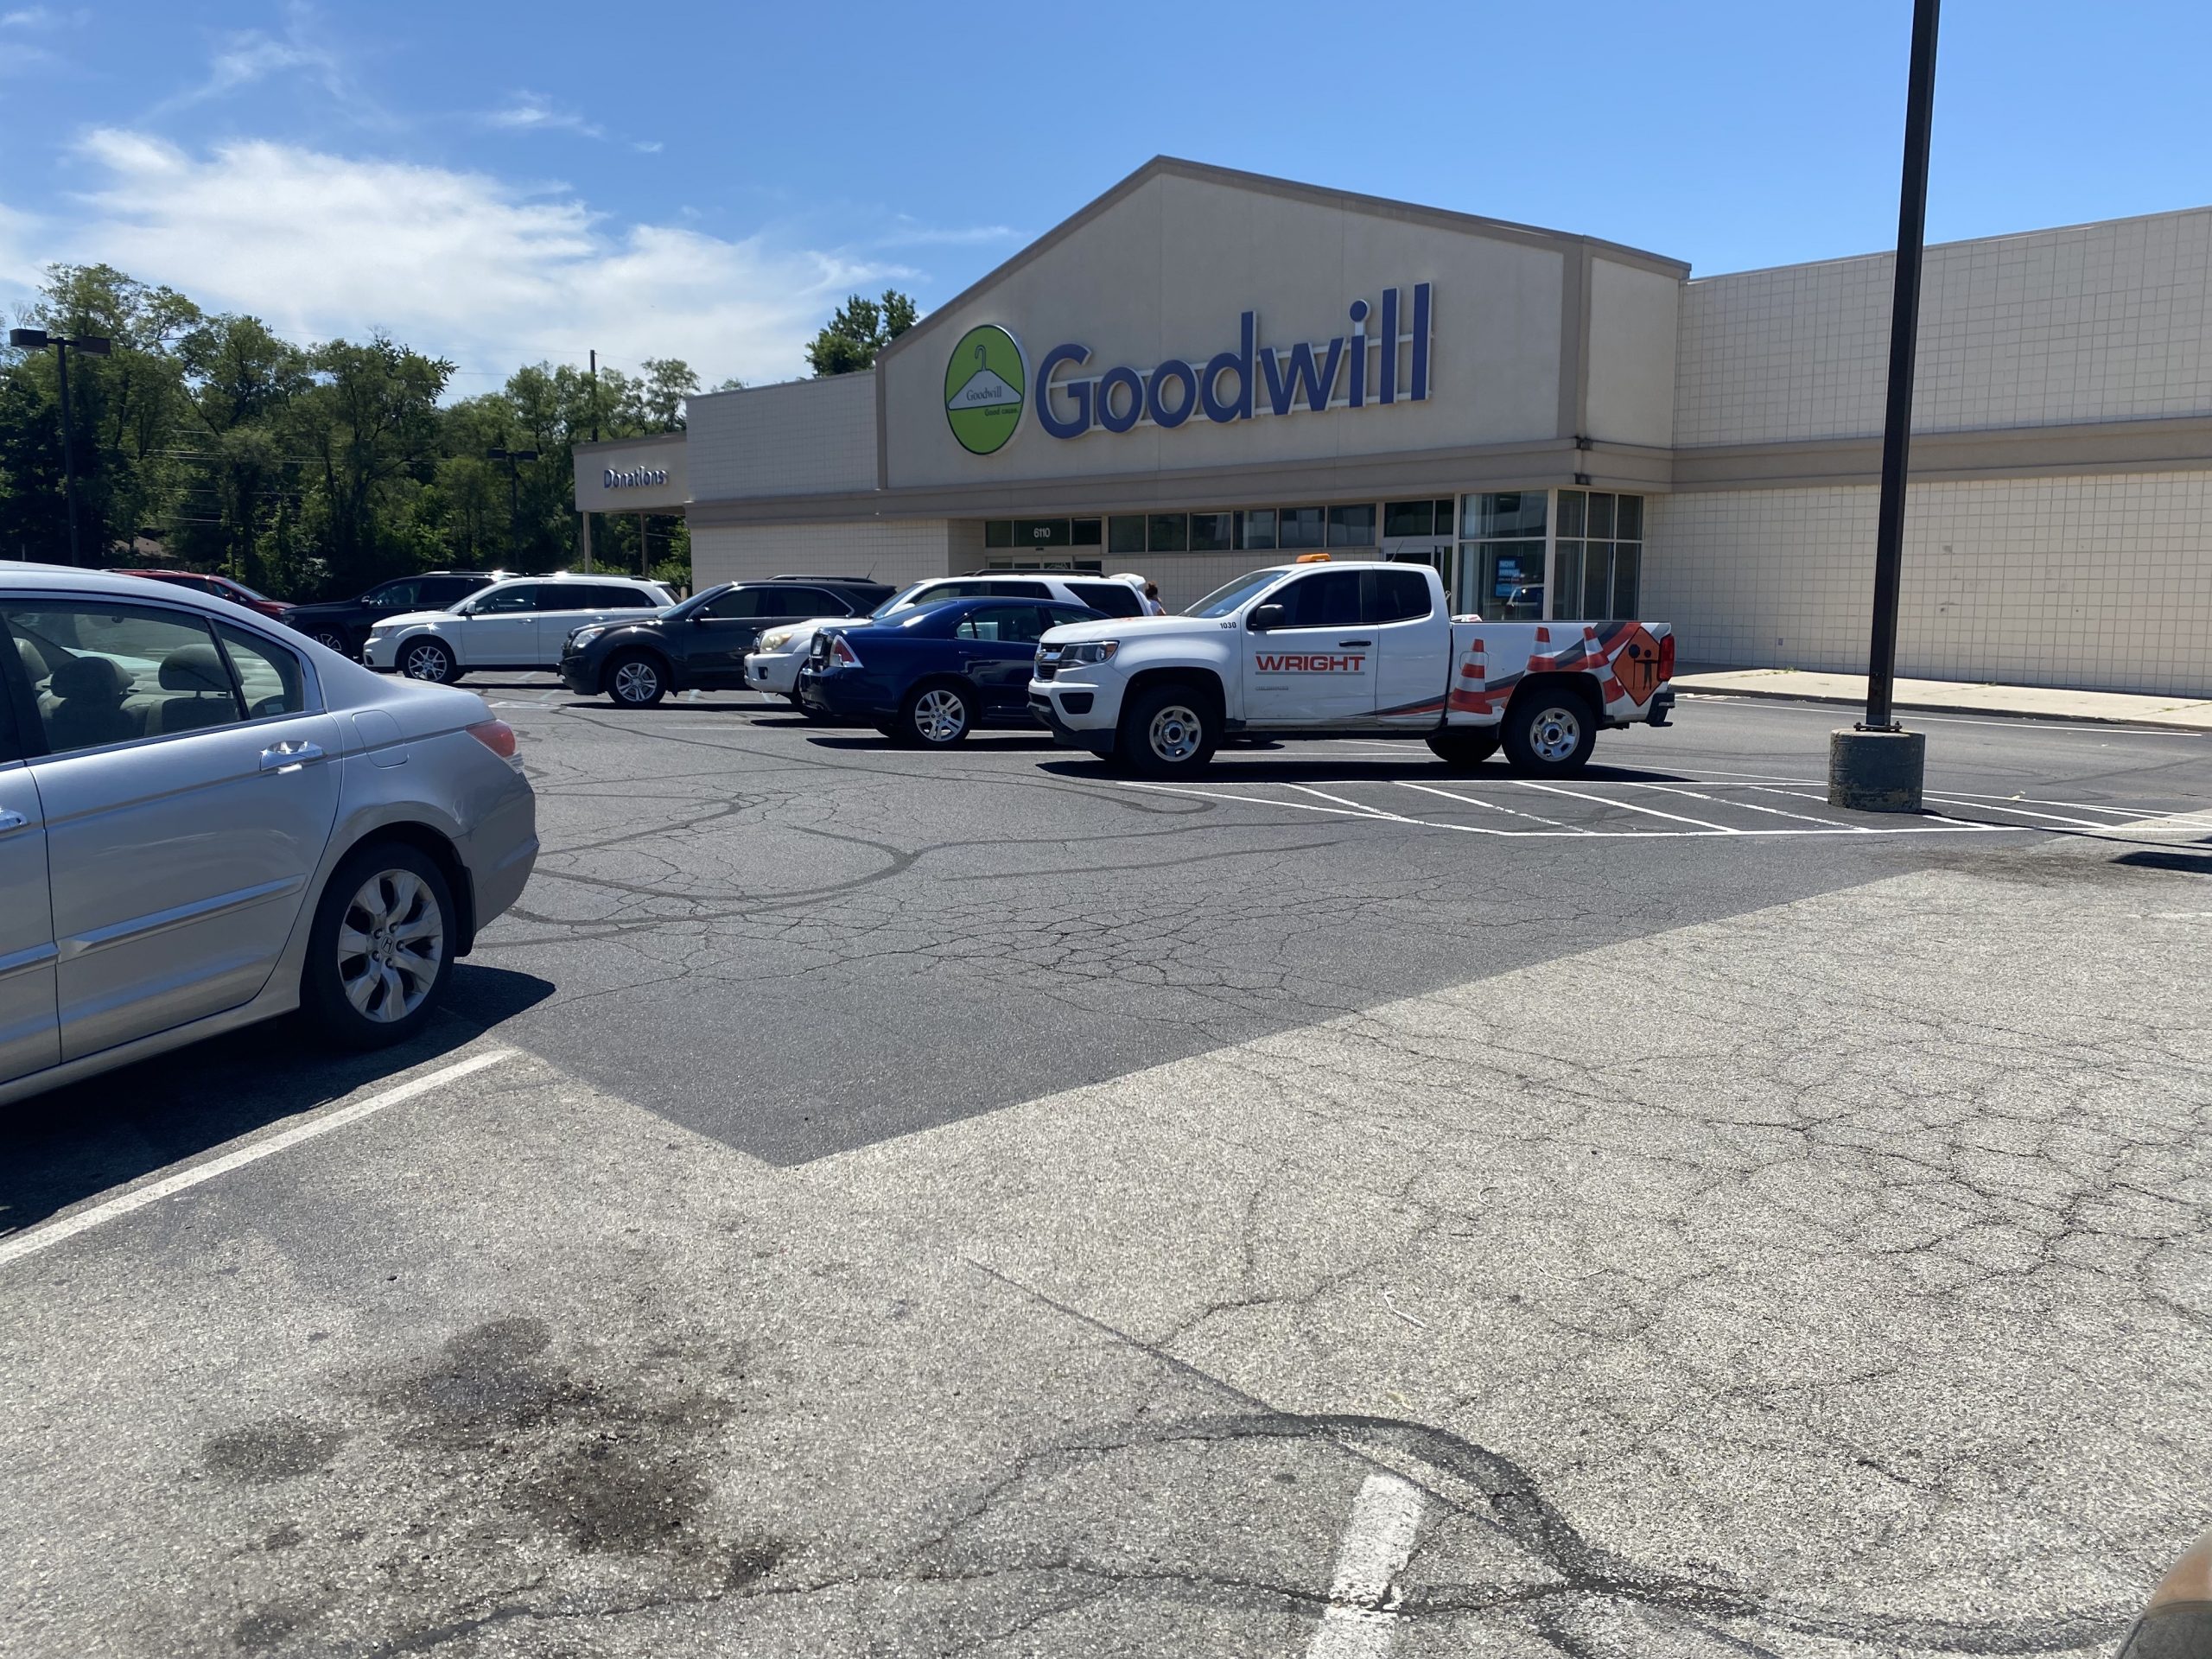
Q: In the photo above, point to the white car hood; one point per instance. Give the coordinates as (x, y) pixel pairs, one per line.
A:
(1154, 627)
(804, 632)
(409, 618)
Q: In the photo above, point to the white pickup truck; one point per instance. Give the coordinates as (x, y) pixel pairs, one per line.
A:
(1324, 647)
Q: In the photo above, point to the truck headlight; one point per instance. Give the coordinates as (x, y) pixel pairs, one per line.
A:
(1089, 651)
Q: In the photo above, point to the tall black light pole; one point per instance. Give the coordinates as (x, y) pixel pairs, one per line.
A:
(513, 457)
(1878, 766)
(32, 340)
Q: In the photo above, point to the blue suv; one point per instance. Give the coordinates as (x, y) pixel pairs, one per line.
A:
(929, 675)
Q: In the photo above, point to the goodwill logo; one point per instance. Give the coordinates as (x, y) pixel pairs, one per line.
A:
(1352, 371)
(984, 386)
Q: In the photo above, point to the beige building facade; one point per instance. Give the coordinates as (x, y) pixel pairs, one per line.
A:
(1204, 372)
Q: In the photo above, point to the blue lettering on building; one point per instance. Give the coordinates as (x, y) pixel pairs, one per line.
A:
(1359, 370)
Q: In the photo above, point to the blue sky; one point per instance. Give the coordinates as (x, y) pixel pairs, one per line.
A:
(501, 182)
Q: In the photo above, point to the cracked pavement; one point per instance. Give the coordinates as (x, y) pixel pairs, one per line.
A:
(944, 1205)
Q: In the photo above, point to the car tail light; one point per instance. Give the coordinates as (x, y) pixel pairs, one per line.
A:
(842, 654)
(499, 737)
(1665, 658)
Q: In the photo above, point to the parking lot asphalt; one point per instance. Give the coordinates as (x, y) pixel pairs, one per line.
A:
(865, 1201)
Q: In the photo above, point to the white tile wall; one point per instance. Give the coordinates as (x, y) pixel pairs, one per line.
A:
(802, 437)
(2100, 322)
(893, 551)
(2098, 582)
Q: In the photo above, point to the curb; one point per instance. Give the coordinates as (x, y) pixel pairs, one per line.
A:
(2136, 722)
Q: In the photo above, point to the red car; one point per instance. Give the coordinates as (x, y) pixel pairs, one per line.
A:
(215, 587)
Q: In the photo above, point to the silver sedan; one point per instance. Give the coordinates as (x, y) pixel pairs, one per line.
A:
(207, 820)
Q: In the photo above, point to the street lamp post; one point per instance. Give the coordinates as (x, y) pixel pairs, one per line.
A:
(32, 340)
(513, 457)
(1878, 765)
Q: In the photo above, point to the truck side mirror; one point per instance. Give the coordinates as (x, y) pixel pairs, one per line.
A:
(1267, 616)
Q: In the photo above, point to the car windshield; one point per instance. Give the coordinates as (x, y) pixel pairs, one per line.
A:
(685, 607)
(248, 592)
(1223, 601)
(897, 601)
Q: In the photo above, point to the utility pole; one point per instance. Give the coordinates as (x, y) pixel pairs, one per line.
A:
(594, 395)
(513, 457)
(32, 340)
(1878, 766)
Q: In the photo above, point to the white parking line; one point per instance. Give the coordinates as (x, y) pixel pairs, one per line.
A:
(1361, 1617)
(1628, 806)
(1753, 806)
(41, 1238)
(1473, 800)
(1340, 800)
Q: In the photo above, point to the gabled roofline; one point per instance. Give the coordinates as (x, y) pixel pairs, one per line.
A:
(1342, 200)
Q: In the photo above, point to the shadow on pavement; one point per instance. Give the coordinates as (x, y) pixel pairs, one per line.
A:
(1417, 768)
(58, 1149)
(2168, 859)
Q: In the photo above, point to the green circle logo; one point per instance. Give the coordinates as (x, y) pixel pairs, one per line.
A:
(984, 385)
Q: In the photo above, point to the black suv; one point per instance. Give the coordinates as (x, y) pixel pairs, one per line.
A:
(343, 624)
(702, 644)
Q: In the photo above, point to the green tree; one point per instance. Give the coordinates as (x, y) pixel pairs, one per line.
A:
(369, 429)
(860, 330)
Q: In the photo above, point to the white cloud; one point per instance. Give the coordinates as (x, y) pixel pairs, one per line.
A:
(907, 232)
(535, 112)
(455, 263)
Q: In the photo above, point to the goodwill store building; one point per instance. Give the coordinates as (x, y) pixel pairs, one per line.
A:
(1204, 372)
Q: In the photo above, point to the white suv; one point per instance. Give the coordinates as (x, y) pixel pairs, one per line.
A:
(774, 664)
(521, 623)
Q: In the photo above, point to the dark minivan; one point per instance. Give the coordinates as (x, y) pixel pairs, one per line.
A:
(700, 644)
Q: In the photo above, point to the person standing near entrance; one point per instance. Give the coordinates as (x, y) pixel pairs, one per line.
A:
(1152, 604)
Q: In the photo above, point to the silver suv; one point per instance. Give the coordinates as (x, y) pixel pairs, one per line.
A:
(773, 666)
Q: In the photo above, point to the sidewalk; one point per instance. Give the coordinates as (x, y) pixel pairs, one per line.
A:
(1953, 697)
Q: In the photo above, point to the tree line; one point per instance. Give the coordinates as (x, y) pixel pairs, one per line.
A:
(306, 472)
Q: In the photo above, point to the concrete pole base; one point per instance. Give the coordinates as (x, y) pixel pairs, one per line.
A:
(1876, 772)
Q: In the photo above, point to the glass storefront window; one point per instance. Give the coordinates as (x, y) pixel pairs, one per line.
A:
(1084, 532)
(1256, 529)
(1512, 513)
(1410, 519)
(1444, 516)
(1300, 527)
(998, 532)
(1169, 532)
(1212, 532)
(1352, 526)
(1598, 561)
(1125, 535)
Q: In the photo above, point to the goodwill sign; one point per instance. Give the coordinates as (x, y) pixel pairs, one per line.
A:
(987, 381)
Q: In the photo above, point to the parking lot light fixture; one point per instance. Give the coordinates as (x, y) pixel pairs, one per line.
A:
(1878, 766)
(33, 339)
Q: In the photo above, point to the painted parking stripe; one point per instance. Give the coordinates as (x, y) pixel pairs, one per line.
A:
(42, 1238)
(1626, 806)
(1373, 811)
(1475, 800)
(1361, 1618)
(1921, 826)
(1753, 806)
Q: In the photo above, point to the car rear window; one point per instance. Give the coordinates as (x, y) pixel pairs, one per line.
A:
(1113, 598)
(593, 596)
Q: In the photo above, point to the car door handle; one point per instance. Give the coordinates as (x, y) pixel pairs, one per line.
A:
(11, 821)
(283, 757)
(1341, 643)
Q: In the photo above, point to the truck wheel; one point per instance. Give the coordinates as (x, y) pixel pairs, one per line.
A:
(1167, 732)
(935, 715)
(1463, 747)
(1549, 731)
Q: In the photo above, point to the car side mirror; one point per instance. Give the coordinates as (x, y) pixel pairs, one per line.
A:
(1267, 616)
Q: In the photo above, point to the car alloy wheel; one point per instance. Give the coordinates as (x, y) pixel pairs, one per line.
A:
(426, 659)
(940, 715)
(637, 682)
(390, 944)
(1175, 734)
(329, 638)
